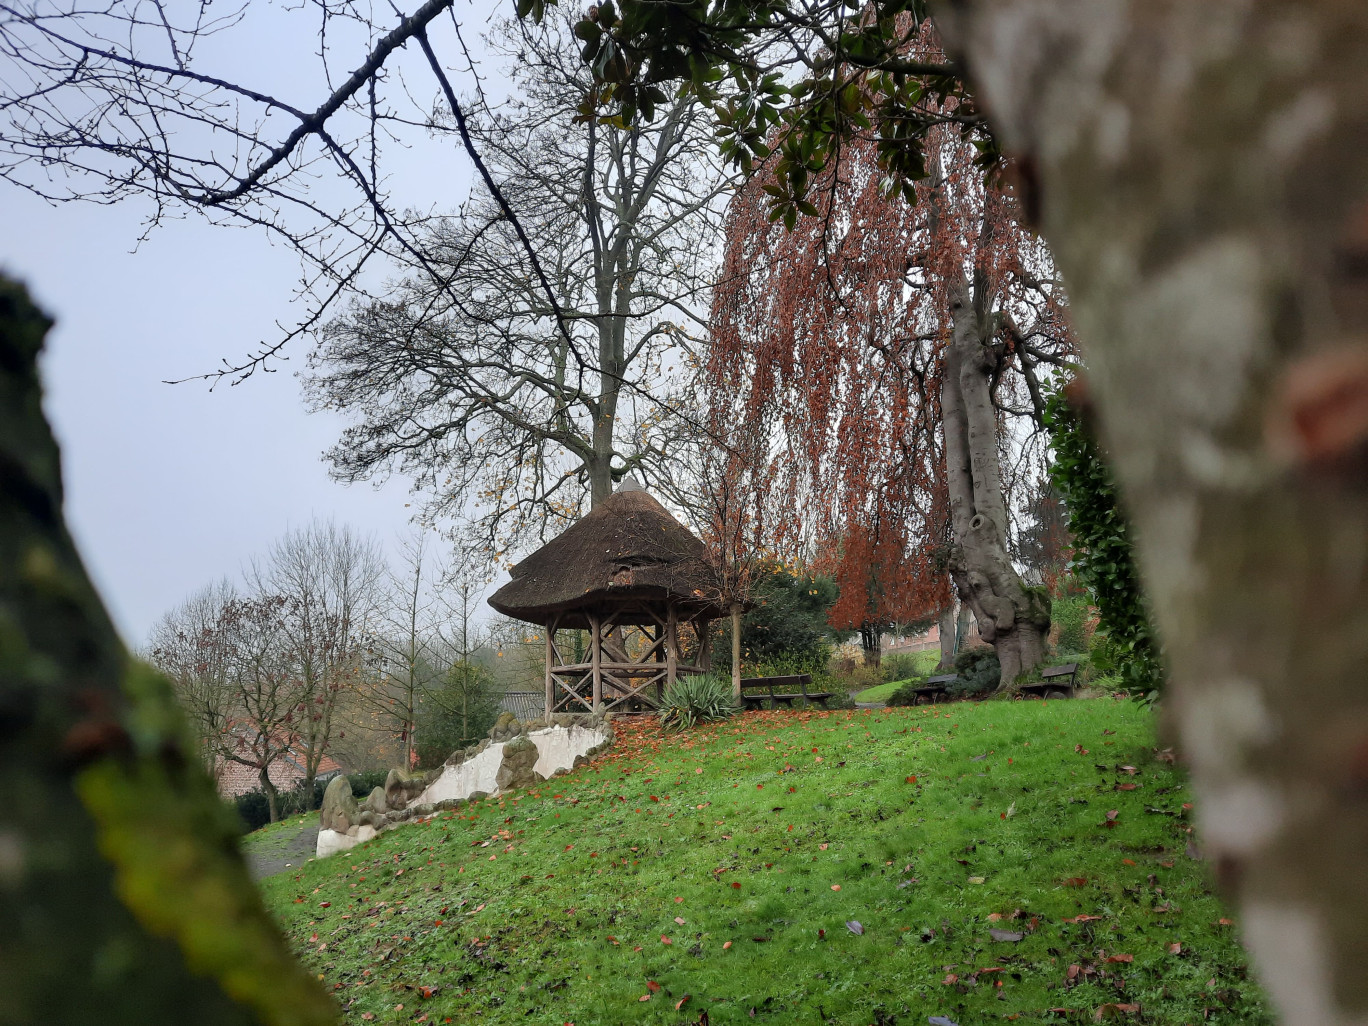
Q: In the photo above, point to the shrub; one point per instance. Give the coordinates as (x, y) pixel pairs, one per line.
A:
(907, 693)
(977, 672)
(363, 783)
(254, 808)
(696, 698)
(1102, 559)
(1072, 619)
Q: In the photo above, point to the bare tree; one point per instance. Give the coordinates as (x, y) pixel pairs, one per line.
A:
(265, 688)
(327, 579)
(189, 645)
(461, 379)
(407, 652)
(127, 100)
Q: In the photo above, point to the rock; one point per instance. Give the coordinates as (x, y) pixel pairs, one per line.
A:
(367, 818)
(375, 801)
(505, 727)
(401, 787)
(339, 810)
(426, 809)
(456, 758)
(478, 796)
(534, 725)
(515, 772)
(447, 804)
(579, 761)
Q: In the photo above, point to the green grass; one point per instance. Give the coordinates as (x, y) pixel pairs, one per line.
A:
(880, 692)
(766, 835)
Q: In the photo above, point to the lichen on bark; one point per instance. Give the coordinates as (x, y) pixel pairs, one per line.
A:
(123, 898)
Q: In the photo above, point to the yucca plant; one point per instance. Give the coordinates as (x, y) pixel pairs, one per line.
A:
(696, 698)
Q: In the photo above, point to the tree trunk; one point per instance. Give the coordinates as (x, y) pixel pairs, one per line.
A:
(116, 851)
(1201, 172)
(871, 640)
(945, 625)
(1013, 618)
(269, 790)
(736, 651)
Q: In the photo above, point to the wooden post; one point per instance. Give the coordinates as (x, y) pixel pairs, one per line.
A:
(671, 649)
(596, 659)
(550, 658)
(703, 628)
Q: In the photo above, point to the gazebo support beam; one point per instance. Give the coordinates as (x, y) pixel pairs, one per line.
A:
(596, 658)
(550, 661)
(671, 645)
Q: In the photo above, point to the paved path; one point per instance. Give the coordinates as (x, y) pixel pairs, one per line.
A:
(867, 705)
(286, 849)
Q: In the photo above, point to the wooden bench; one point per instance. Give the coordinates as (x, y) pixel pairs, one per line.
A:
(1055, 682)
(934, 689)
(755, 691)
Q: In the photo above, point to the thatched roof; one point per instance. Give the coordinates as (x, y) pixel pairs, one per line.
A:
(628, 551)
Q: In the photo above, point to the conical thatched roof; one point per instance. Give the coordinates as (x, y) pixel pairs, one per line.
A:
(629, 550)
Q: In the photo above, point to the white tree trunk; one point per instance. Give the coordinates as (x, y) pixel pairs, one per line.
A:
(1203, 180)
(1012, 618)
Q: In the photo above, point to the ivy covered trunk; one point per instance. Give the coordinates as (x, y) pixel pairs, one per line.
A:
(1202, 177)
(123, 898)
(1013, 618)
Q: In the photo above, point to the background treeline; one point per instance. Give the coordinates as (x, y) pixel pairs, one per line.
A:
(324, 649)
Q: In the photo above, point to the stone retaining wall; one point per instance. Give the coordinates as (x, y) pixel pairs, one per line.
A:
(515, 756)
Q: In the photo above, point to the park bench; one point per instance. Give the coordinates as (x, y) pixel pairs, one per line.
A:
(1055, 682)
(934, 689)
(756, 690)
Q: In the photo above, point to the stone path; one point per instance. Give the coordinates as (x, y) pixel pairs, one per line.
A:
(286, 849)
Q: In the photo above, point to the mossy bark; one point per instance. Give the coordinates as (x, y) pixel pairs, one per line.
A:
(1201, 171)
(123, 898)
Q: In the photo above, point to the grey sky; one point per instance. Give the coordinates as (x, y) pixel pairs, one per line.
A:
(169, 487)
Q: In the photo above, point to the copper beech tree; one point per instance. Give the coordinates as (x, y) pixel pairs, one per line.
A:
(888, 348)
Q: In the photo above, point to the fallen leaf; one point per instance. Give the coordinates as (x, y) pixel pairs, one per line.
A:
(665, 940)
(652, 986)
(678, 900)
(1175, 949)
(835, 887)
(644, 997)
(911, 780)
(681, 1002)
(1006, 935)
(1081, 919)
(726, 945)
(950, 978)
(977, 879)
(679, 920)
(993, 917)
(855, 927)
(1076, 881)
(1120, 958)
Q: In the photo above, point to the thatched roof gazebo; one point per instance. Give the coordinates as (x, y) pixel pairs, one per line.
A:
(630, 574)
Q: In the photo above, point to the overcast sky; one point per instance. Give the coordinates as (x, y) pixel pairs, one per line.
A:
(170, 487)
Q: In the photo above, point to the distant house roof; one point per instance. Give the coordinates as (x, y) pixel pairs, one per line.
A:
(628, 549)
(286, 771)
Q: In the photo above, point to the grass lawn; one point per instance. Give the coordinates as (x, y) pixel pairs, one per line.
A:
(1000, 861)
(880, 692)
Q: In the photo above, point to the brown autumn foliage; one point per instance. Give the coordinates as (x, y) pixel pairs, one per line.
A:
(829, 360)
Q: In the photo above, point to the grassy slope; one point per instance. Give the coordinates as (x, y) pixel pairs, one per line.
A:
(554, 906)
(925, 663)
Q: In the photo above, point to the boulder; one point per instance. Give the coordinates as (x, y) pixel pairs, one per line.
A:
(515, 772)
(401, 787)
(505, 727)
(375, 801)
(339, 811)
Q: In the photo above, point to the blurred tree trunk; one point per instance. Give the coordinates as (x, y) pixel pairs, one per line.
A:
(123, 898)
(1201, 173)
